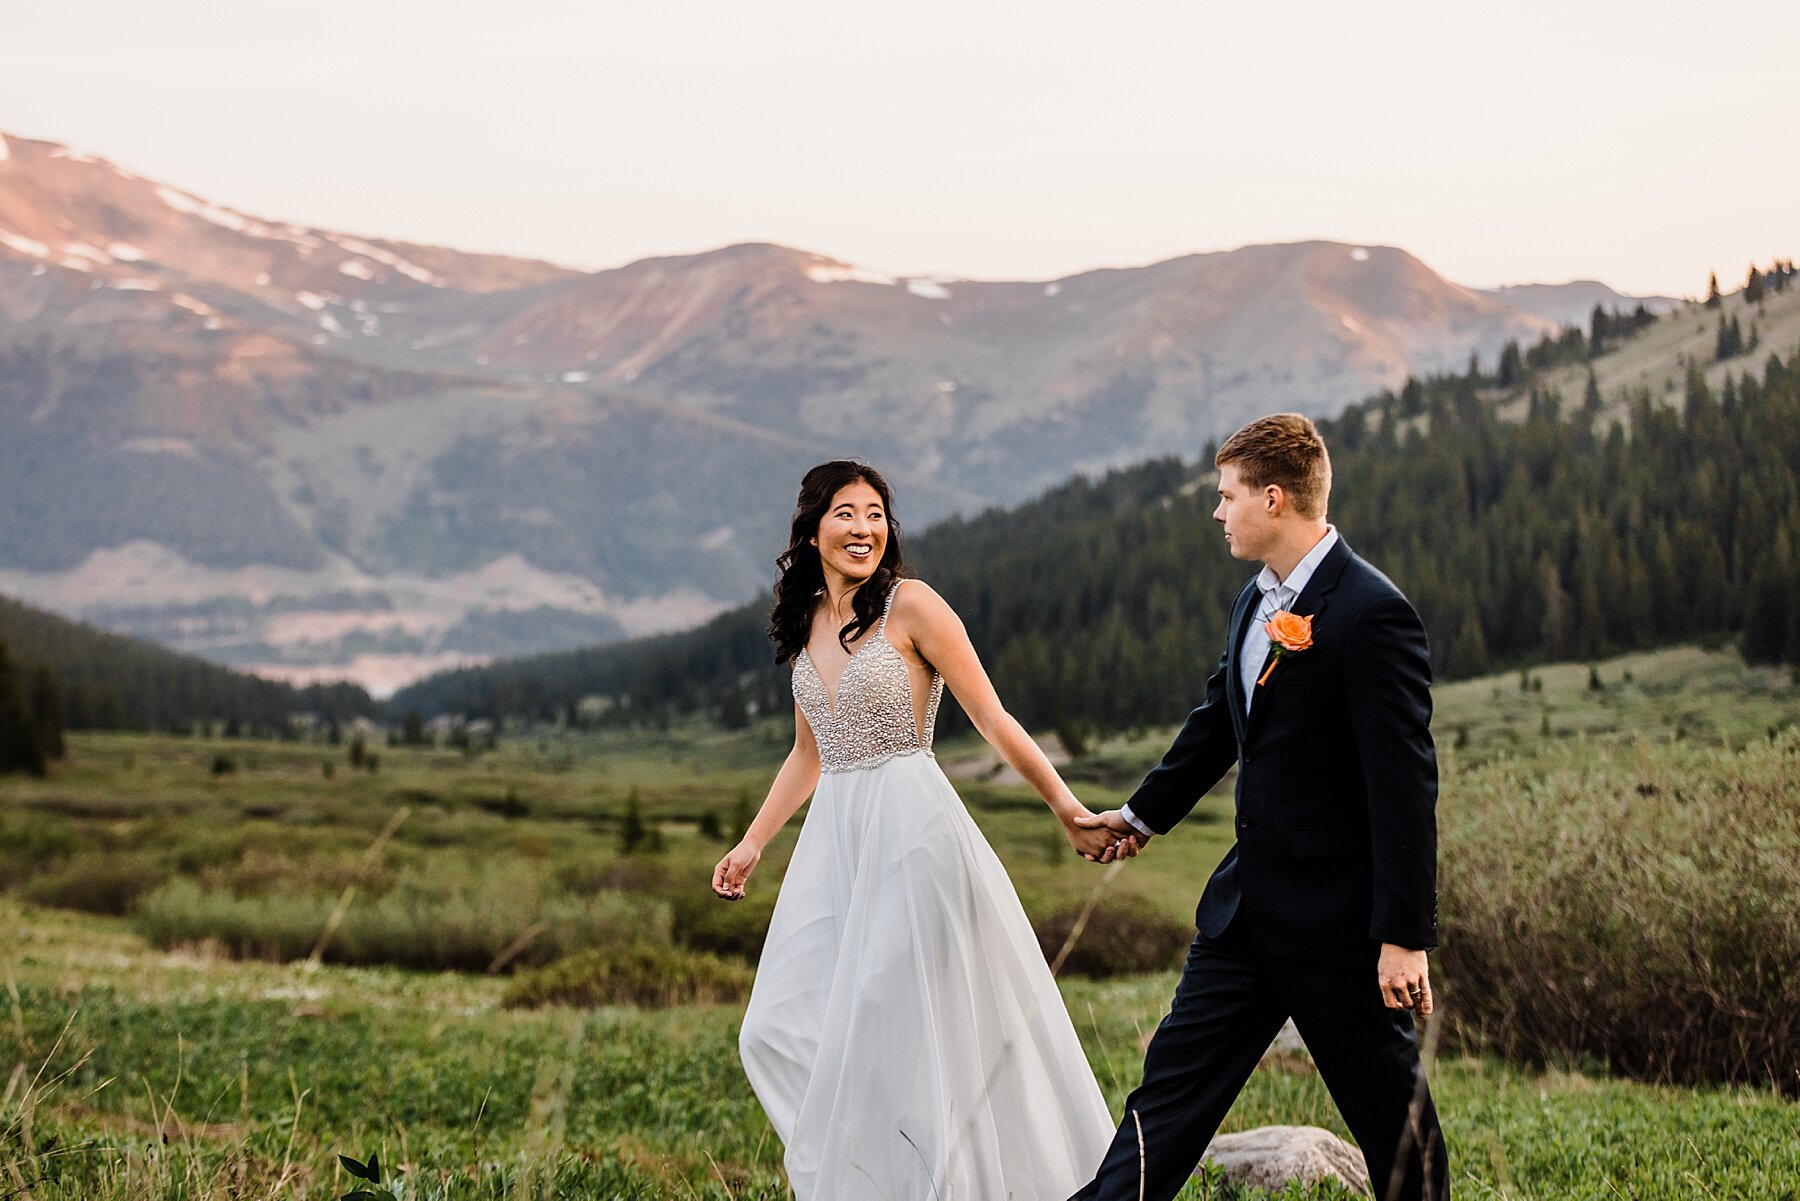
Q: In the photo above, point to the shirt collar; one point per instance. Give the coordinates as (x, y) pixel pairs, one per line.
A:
(1303, 571)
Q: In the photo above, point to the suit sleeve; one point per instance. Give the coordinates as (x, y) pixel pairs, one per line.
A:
(1388, 677)
(1198, 758)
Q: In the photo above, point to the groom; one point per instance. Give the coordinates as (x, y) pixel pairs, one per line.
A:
(1326, 906)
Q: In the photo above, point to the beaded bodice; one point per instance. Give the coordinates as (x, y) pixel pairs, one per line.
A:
(872, 719)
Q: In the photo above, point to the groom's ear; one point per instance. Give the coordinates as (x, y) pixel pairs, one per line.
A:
(1274, 499)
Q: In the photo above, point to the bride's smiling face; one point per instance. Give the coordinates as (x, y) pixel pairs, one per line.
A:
(853, 534)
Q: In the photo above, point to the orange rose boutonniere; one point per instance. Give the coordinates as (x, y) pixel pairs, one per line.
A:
(1290, 634)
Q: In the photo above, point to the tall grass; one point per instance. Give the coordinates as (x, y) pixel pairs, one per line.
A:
(487, 919)
(1633, 904)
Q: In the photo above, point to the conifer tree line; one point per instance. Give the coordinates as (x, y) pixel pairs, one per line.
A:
(108, 681)
(31, 730)
(1570, 534)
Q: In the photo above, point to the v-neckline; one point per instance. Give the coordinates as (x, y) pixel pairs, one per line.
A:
(830, 690)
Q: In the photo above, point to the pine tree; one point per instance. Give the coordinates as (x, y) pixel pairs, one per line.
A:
(1753, 287)
(734, 712)
(1766, 616)
(1712, 290)
(20, 749)
(1590, 400)
(47, 713)
(1512, 364)
(1730, 340)
(635, 834)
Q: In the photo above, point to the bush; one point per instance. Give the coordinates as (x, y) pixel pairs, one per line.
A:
(632, 975)
(468, 924)
(589, 876)
(109, 884)
(261, 873)
(1634, 904)
(704, 922)
(1124, 935)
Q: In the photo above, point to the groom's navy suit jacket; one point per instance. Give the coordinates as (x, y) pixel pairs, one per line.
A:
(1337, 784)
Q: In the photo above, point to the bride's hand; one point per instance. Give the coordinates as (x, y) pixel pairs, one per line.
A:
(734, 870)
(1090, 842)
(1118, 839)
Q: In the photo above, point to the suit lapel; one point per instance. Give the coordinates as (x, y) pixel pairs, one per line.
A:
(1312, 600)
(1234, 682)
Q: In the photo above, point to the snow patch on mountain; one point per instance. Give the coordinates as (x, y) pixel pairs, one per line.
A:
(387, 258)
(181, 202)
(199, 308)
(83, 250)
(844, 273)
(30, 246)
(161, 446)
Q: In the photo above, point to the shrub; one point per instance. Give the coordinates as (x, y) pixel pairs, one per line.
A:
(589, 876)
(1124, 935)
(510, 806)
(1635, 904)
(638, 974)
(704, 922)
(261, 873)
(469, 923)
(108, 884)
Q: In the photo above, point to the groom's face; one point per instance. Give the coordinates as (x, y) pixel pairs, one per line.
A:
(1245, 513)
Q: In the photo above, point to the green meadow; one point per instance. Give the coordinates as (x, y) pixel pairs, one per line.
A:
(227, 961)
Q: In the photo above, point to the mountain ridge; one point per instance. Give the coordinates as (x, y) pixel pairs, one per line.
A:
(272, 410)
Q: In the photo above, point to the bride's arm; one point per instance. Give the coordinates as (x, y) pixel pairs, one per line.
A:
(798, 776)
(937, 634)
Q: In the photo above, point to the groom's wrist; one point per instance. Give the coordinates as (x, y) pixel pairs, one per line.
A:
(1135, 821)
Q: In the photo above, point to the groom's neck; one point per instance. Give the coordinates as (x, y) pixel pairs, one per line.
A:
(1293, 545)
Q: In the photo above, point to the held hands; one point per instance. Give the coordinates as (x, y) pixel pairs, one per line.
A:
(1405, 978)
(734, 870)
(1104, 837)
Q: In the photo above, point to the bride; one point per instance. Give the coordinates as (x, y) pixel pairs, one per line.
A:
(903, 1033)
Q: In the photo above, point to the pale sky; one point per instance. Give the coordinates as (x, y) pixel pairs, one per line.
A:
(1637, 143)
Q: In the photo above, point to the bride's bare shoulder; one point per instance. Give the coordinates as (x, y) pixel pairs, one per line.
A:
(917, 602)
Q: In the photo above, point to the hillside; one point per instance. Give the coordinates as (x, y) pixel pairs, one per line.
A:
(315, 453)
(109, 681)
(1525, 522)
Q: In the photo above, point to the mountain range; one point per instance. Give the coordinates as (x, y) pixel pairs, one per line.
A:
(319, 455)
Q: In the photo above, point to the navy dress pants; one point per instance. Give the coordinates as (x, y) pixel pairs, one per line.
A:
(1233, 998)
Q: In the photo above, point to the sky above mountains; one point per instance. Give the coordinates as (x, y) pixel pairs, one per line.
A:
(1641, 144)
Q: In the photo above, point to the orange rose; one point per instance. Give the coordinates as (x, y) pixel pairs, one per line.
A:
(1290, 630)
(1291, 634)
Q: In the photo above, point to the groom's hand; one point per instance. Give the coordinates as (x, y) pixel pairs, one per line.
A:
(1126, 839)
(1405, 977)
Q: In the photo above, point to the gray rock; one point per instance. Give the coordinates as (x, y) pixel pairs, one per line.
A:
(1270, 1156)
(1288, 1042)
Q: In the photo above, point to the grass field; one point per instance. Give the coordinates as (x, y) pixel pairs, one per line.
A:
(139, 1071)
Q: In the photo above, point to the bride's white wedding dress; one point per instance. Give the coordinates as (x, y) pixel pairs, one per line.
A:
(904, 1033)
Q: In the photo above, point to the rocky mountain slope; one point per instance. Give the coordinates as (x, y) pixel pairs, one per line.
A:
(314, 453)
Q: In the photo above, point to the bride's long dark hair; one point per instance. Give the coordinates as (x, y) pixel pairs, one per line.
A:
(801, 581)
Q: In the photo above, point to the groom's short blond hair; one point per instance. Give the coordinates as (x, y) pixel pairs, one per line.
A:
(1286, 450)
